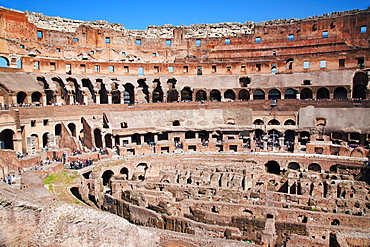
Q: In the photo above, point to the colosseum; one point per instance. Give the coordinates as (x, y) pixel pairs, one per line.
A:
(252, 132)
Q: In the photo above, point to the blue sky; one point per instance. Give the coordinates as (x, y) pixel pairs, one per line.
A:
(139, 14)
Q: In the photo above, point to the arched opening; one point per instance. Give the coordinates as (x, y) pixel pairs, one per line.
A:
(274, 122)
(186, 94)
(172, 95)
(258, 122)
(86, 83)
(45, 139)
(314, 167)
(6, 139)
(124, 171)
(149, 138)
(77, 92)
(289, 122)
(306, 93)
(103, 92)
(323, 93)
(157, 96)
(244, 81)
(333, 169)
(340, 93)
(189, 134)
(57, 129)
(274, 94)
(116, 97)
(215, 95)
(290, 93)
(360, 81)
(201, 95)
(359, 92)
(21, 98)
(272, 167)
(36, 97)
(106, 176)
(244, 95)
(229, 95)
(294, 166)
(4, 62)
(304, 137)
(98, 138)
(258, 94)
(135, 138)
(289, 64)
(140, 171)
(36, 141)
(72, 128)
(289, 140)
(76, 193)
(128, 94)
(203, 135)
(108, 139)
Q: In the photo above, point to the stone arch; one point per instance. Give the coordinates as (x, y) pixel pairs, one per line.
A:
(258, 122)
(201, 95)
(186, 94)
(140, 171)
(4, 62)
(128, 94)
(340, 93)
(19, 63)
(360, 82)
(274, 94)
(157, 96)
(289, 63)
(106, 177)
(86, 83)
(258, 94)
(149, 137)
(229, 95)
(172, 95)
(36, 140)
(125, 172)
(116, 97)
(294, 166)
(272, 167)
(273, 122)
(333, 168)
(323, 93)
(215, 95)
(6, 139)
(103, 92)
(306, 93)
(244, 95)
(77, 92)
(57, 129)
(45, 139)
(289, 138)
(135, 138)
(98, 138)
(290, 93)
(108, 140)
(36, 97)
(289, 122)
(21, 97)
(357, 152)
(314, 167)
(72, 128)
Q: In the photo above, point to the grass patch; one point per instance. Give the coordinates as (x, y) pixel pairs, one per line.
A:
(60, 177)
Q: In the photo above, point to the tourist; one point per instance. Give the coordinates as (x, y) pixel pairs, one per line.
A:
(9, 179)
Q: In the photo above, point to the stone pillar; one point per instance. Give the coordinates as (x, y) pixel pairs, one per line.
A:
(109, 95)
(264, 145)
(253, 145)
(97, 97)
(155, 138)
(281, 143)
(142, 139)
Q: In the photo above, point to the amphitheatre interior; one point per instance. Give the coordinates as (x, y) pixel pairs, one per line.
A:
(256, 132)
